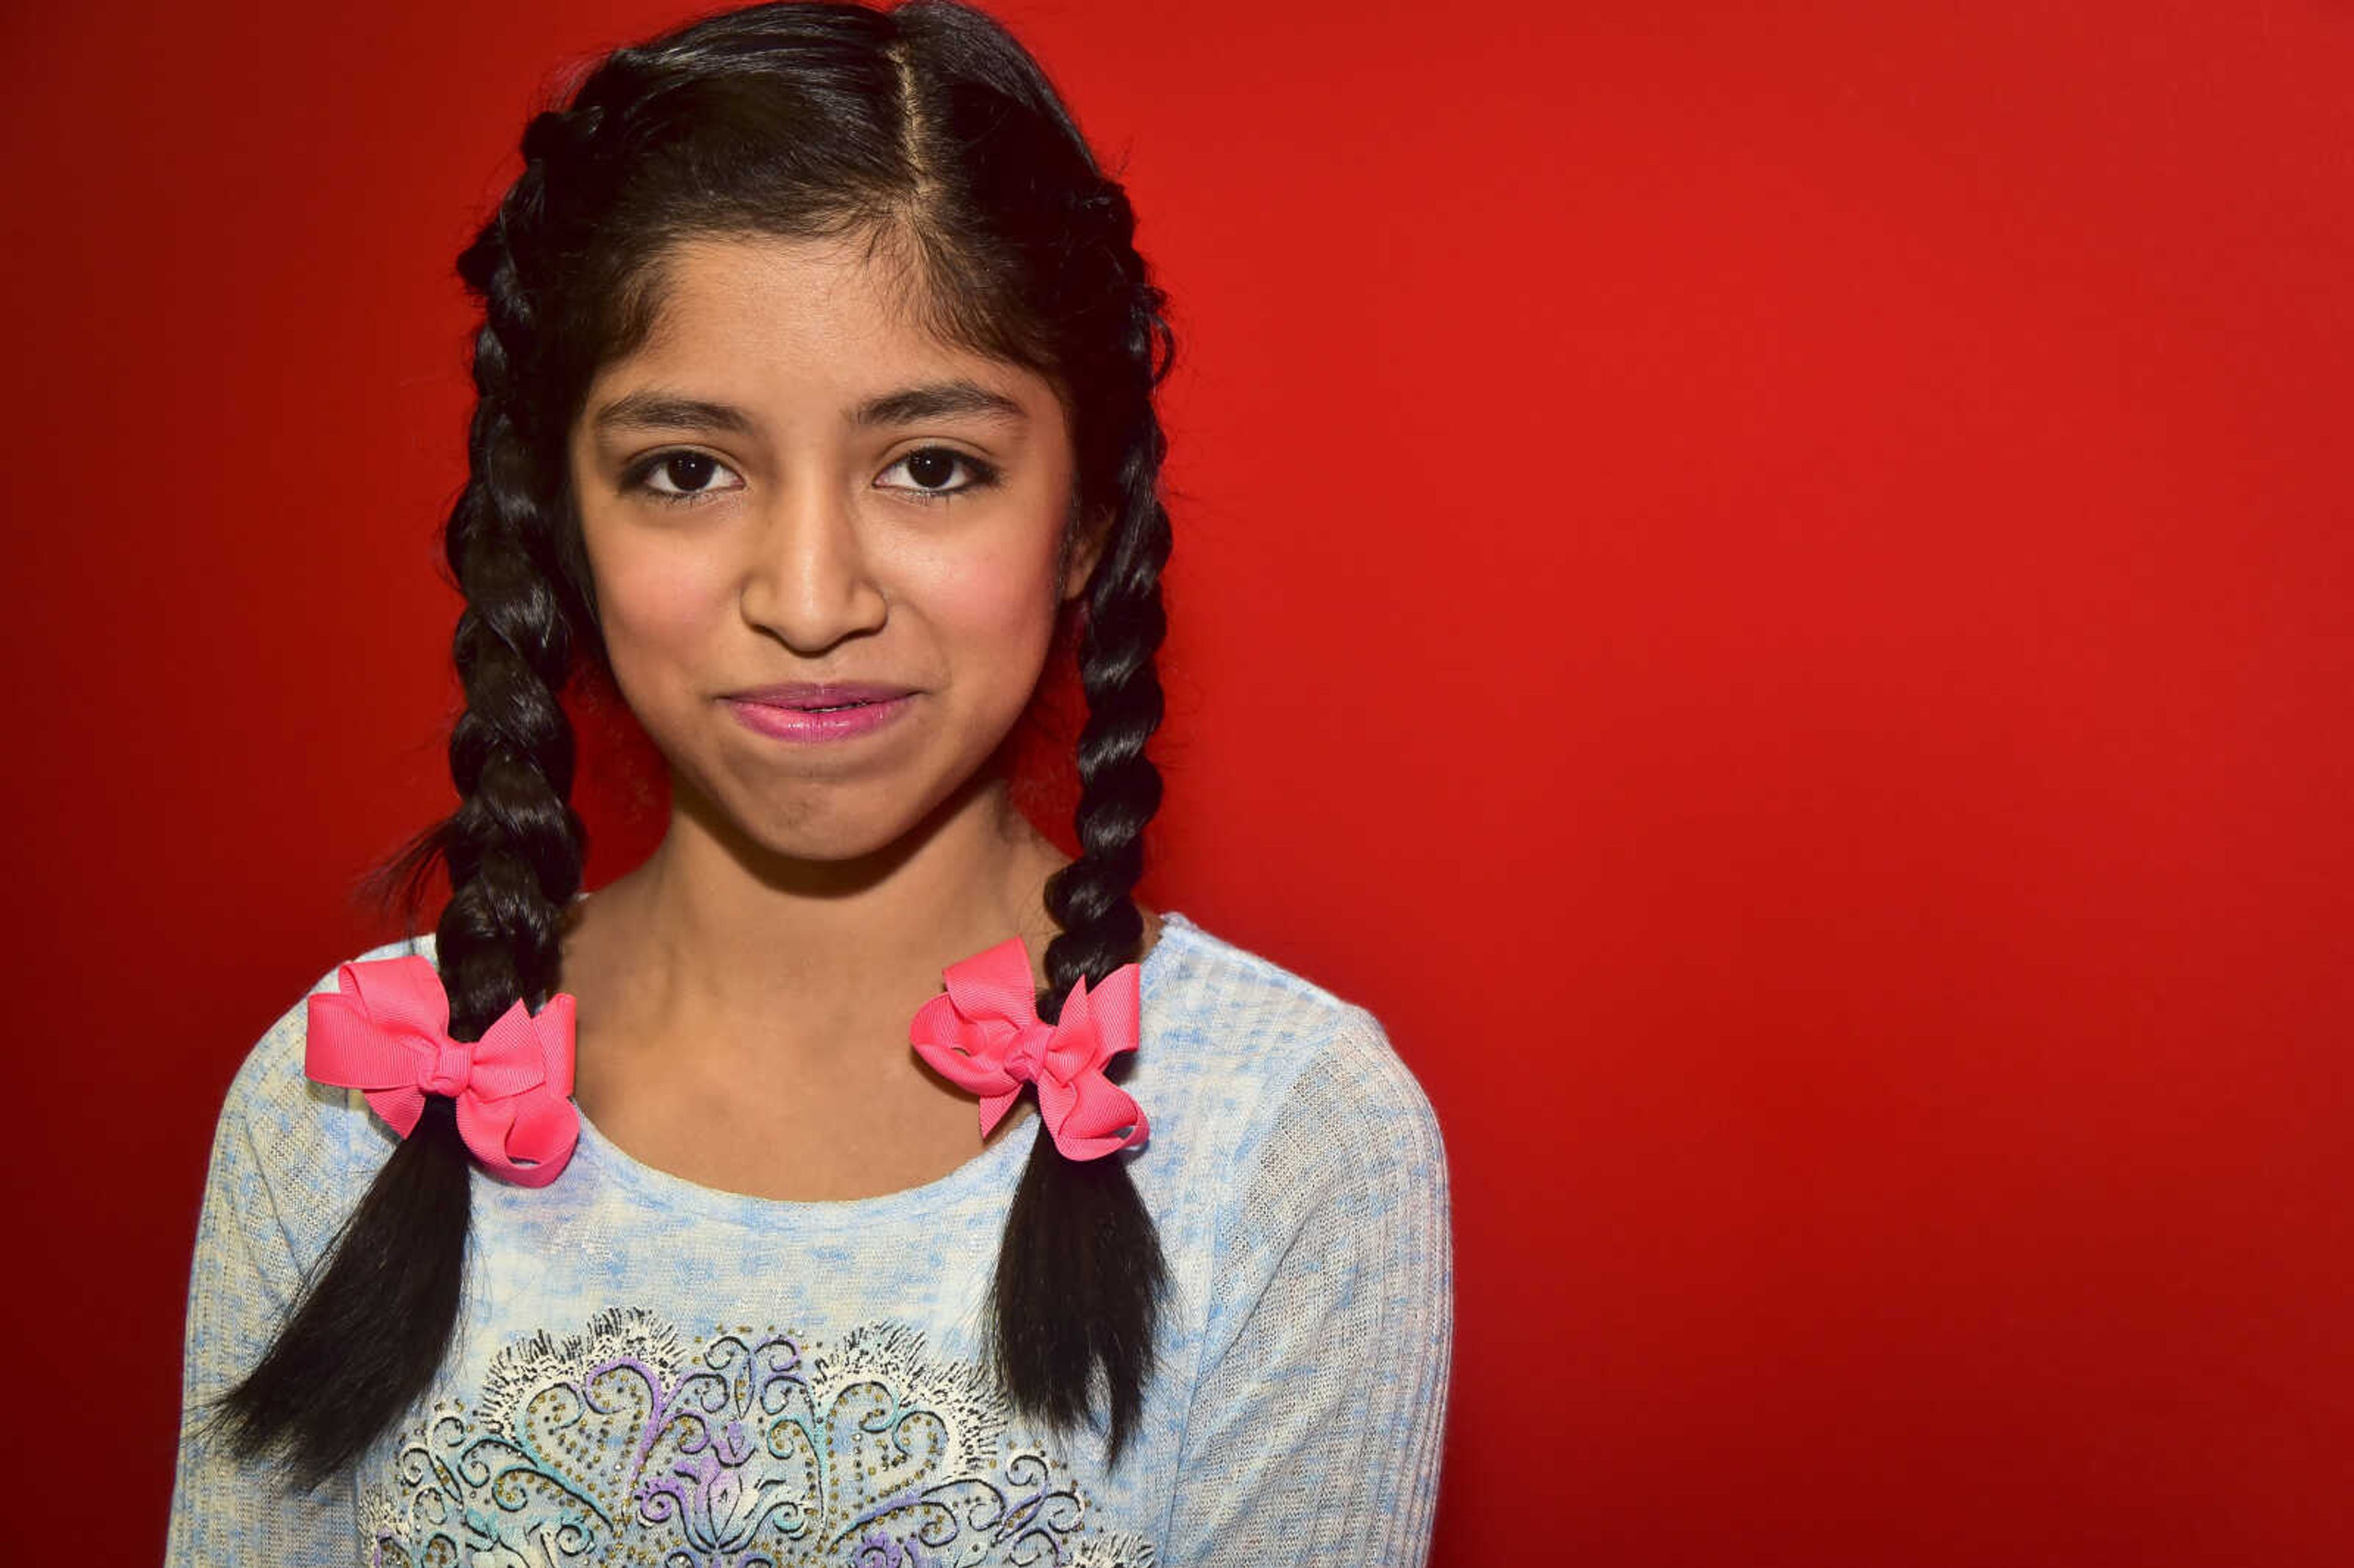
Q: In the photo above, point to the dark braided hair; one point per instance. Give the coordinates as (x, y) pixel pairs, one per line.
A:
(928, 126)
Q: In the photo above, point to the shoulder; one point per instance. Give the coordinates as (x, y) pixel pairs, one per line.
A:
(313, 1145)
(270, 1081)
(1269, 1051)
(1232, 1011)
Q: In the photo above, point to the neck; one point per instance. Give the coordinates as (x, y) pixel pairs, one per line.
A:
(724, 922)
(756, 945)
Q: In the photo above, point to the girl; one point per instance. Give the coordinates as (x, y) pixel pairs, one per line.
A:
(816, 389)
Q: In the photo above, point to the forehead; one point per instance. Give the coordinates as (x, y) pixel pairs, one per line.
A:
(845, 315)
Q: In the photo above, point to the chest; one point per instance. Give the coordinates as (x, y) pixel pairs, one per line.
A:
(859, 1123)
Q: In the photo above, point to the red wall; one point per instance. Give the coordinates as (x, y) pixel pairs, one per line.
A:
(1768, 583)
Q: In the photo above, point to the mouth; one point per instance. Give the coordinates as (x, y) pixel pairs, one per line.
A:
(822, 697)
(812, 712)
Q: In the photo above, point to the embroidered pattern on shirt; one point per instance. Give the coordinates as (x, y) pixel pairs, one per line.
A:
(625, 1445)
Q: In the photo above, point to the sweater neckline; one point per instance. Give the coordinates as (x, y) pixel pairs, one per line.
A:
(990, 1169)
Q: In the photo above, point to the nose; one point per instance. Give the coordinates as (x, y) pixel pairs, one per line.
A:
(808, 581)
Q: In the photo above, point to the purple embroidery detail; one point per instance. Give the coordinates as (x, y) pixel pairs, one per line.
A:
(741, 1452)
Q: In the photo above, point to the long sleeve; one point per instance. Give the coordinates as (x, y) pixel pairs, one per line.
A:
(276, 1189)
(1316, 1423)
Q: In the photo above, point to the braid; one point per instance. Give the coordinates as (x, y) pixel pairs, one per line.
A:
(1120, 789)
(373, 1328)
(1080, 1273)
(514, 846)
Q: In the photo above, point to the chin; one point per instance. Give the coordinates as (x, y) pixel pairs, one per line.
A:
(828, 842)
(826, 824)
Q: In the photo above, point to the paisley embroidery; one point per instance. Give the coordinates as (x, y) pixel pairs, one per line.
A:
(625, 1446)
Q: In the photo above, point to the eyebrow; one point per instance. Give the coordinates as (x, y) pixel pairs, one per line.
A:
(670, 411)
(655, 409)
(939, 400)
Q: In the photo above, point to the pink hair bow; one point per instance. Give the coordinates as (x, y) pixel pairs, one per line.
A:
(385, 1031)
(985, 1036)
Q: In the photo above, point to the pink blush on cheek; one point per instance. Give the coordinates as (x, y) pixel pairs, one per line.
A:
(998, 598)
(661, 617)
(662, 593)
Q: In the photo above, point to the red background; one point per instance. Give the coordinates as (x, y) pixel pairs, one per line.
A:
(1767, 583)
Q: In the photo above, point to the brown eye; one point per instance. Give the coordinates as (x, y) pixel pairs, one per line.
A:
(931, 469)
(682, 475)
(688, 471)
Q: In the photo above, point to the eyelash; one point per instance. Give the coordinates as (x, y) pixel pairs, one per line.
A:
(981, 475)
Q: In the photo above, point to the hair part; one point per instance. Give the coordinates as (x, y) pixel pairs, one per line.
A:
(930, 134)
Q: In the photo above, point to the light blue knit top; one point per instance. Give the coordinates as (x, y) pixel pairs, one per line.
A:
(650, 1372)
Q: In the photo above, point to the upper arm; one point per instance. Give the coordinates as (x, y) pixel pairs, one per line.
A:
(1316, 1419)
(275, 1188)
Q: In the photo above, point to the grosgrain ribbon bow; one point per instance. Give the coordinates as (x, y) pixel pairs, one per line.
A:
(385, 1031)
(984, 1035)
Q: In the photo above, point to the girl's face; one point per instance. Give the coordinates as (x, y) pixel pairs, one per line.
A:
(825, 546)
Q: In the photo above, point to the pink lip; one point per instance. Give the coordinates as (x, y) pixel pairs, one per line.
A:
(811, 711)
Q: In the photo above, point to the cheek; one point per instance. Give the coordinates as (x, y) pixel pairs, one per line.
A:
(997, 607)
(655, 607)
